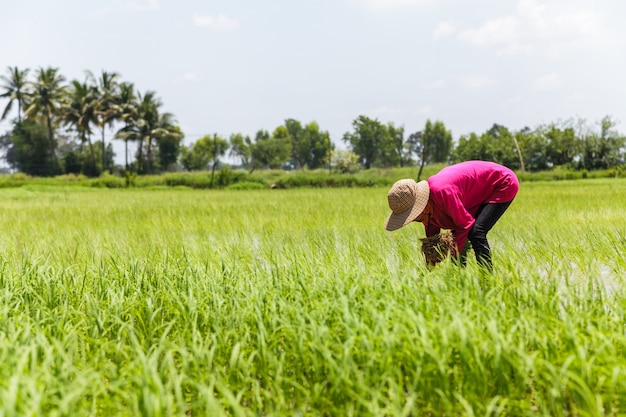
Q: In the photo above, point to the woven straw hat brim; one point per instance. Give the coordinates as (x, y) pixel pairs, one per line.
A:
(397, 220)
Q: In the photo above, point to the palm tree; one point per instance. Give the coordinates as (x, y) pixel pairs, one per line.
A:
(108, 89)
(80, 112)
(166, 130)
(46, 100)
(145, 125)
(148, 120)
(127, 110)
(15, 89)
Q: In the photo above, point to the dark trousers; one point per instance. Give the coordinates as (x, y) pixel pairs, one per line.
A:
(487, 215)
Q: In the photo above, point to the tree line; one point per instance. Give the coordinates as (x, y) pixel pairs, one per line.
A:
(58, 123)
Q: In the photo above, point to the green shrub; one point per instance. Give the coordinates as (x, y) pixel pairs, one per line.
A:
(109, 181)
(189, 179)
(321, 178)
(325, 180)
(246, 185)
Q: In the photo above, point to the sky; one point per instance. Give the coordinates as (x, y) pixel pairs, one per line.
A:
(238, 66)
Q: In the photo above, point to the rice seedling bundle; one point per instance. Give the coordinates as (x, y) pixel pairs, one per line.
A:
(436, 248)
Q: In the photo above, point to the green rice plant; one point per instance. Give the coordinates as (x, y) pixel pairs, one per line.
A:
(163, 302)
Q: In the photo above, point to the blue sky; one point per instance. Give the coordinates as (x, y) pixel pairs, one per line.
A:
(243, 65)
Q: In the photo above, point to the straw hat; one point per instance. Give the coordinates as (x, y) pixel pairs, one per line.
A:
(407, 199)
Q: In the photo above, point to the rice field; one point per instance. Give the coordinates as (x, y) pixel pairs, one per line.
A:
(174, 302)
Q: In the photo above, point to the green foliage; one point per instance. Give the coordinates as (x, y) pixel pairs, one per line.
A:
(604, 149)
(15, 88)
(199, 155)
(105, 101)
(271, 151)
(131, 178)
(565, 144)
(207, 149)
(72, 163)
(561, 173)
(226, 177)
(436, 142)
(561, 148)
(246, 185)
(32, 149)
(202, 180)
(297, 180)
(169, 147)
(183, 302)
(192, 180)
(346, 162)
(374, 142)
(241, 147)
(109, 181)
(310, 146)
(497, 145)
(394, 149)
(67, 181)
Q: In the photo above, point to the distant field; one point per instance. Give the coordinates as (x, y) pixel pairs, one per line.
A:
(178, 302)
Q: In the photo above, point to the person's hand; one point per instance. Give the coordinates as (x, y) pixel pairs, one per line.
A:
(436, 248)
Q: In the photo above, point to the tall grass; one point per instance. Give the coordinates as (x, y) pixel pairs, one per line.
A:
(227, 178)
(297, 302)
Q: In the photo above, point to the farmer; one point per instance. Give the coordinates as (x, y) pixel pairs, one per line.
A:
(467, 198)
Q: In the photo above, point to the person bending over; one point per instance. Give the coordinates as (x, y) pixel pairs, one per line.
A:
(467, 198)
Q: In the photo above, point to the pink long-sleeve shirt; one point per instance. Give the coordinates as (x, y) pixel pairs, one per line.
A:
(458, 191)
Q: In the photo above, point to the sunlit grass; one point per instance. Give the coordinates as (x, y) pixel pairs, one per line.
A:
(298, 302)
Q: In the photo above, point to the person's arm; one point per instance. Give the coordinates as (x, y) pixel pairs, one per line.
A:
(463, 221)
(460, 238)
(431, 230)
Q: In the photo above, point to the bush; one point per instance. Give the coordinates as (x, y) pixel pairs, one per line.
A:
(246, 185)
(202, 180)
(189, 179)
(239, 179)
(325, 180)
(109, 181)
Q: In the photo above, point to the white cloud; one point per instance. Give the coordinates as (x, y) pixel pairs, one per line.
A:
(577, 97)
(500, 32)
(476, 82)
(188, 77)
(444, 29)
(516, 48)
(129, 6)
(218, 23)
(547, 27)
(379, 5)
(547, 82)
(423, 110)
(512, 101)
(386, 113)
(433, 85)
(141, 6)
